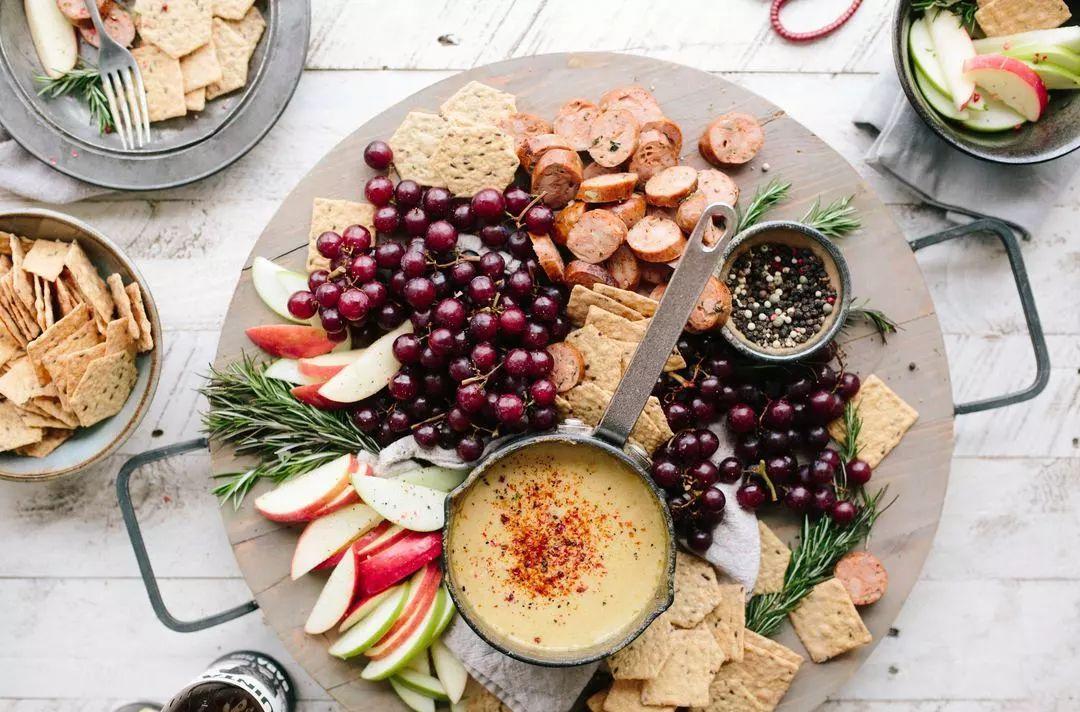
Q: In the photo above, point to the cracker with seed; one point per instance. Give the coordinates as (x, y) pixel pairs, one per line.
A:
(13, 432)
(54, 409)
(478, 105)
(231, 9)
(23, 314)
(37, 349)
(477, 698)
(696, 591)
(50, 310)
(103, 388)
(766, 675)
(163, 81)
(643, 659)
(414, 144)
(775, 556)
(39, 302)
(1006, 17)
(329, 215)
(233, 55)
(21, 282)
(176, 27)
(51, 439)
(827, 623)
(685, 678)
(251, 26)
(9, 347)
(68, 370)
(123, 303)
(46, 259)
(581, 298)
(595, 703)
(644, 306)
(201, 68)
(731, 696)
(5, 264)
(885, 419)
(772, 647)
(586, 402)
(118, 338)
(727, 621)
(38, 420)
(65, 298)
(625, 696)
(195, 101)
(469, 158)
(20, 382)
(603, 357)
(616, 326)
(145, 342)
(651, 429)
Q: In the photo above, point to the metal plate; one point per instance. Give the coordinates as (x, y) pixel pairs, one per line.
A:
(186, 149)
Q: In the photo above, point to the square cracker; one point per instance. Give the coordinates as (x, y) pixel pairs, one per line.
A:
(728, 620)
(200, 68)
(123, 303)
(104, 388)
(469, 158)
(90, 284)
(233, 54)
(885, 420)
(46, 259)
(587, 402)
(651, 429)
(615, 326)
(67, 370)
(13, 433)
(37, 349)
(696, 591)
(231, 9)
(603, 357)
(51, 439)
(20, 382)
(117, 338)
(685, 678)
(625, 696)
(1005, 17)
(478, 104)
(581, 298)
(827, 623)
(145, 341)
(195, 100)
(66, 299)
(775, 556)
(164, 83)
(772, 647)
(39, 303)
(643, 659)
(763, 673)
(731, 696)
(335, 215)
(9, 347)
(21, 282)
(176, 27)
(414, 143)
(642, 305)
(595, 703)
(251, 26)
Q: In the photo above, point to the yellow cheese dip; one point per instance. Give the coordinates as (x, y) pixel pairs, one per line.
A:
(557, 547)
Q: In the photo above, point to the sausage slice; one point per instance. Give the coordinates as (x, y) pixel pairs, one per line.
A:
(557, 176)
(566, 219)
(654, 153)
(521, 126)
(732, 138)
(569, 366)
(595, 169)
(864, 577)
(118, 24)
(654, 273)
(608, 188)
(75, 10)
(613, 137)
(623, 266)
(670, 186)
(530, 150)
(574, 120)
(712, 309)
(587, 274)
(667, 127)
(712, 186)
(630, 210)
(636, 99)
(547, 254)
(596, 236)
(656, 239)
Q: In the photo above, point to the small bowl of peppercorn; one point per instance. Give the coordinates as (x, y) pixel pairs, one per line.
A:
(790, 290)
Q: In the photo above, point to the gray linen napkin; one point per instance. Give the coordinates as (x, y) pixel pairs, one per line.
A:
(942, 176)
(736, 547)
(27, 177)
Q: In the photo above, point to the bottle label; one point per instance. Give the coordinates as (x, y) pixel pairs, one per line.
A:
(256, 674)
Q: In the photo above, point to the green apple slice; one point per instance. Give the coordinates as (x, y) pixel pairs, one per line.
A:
(368, 631)
(997, 117)
(288, 370)
(1044, 54)
(420, 664)
(426, 685)
(272, 284)
(938, 101)
(368, 606)
(459, 706)
(417, 508)
(412, 699)
(452, 674)
(1055, 77)
(925, 56)
(1066, 37)
(421, 638)
(447, 615)
(439, 478)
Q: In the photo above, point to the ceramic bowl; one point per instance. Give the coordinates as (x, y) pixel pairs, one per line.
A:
(1052, 136)
(88, 445)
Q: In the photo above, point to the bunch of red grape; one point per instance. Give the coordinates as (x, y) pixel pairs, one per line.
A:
(683, 467)
(475, 364)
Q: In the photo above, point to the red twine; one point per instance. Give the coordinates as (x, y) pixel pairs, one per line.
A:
(774, 18)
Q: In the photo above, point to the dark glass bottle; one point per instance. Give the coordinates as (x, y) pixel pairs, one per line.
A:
(243, 681)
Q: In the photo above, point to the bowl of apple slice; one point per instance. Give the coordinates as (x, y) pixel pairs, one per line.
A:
(997, 86)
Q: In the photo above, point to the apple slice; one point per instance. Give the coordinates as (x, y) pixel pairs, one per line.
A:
(311, 395)
(325, 367)
(423, 587)
(53, 36)
(1010, 81)
(448, 615)
(450, 671)
(1065, 37)
(421, 664)
(368, 631)
(274, 284)
(425, 685)
(443, 479)
(997, 117)
(346, 497)
(372, 543)
(1055, 77)
(325, 535)
(413, 700)
(1045, 54)
(395, 562)
(302, 497)
(953, 46)
(938, 101)
(291, 340)
(419, 509)
(420, 639)
(368, 374)
(363, 607)
(288, 370)
(333, 602)
(925, 56)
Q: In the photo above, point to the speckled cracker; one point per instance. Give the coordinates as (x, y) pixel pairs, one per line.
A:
(478, 104)
(885, 420)
(164, 82)
(20, 382)
(13, 433)
(651, 429)
(469, 158)
(414, 143)
(688, 672)
(614, 325)
(195, 100)
(334, 215)
(642, 305)
(251, 26)
(727, 621)
(696, 591)
(123, 303)
(581, 298)
(201, 68)
(775, 556)
(90, 284)
(595, 703)
(827, 623)
(176, 27)
(233, 54)
(51, 439)
(1005, 17)
(587, 402)
(478, 699)
(763, 673)
(603, 357)
(731, 696)
(643, 659)
(9, 347)
(772, 647)
(625, 696)
(37, 349)
(103, 388)
(145, 342)
(46, 259)
(117, 337)
(231, 9)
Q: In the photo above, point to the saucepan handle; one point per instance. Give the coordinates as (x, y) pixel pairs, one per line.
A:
(1027, 302)
(697, 264)
(127, 509)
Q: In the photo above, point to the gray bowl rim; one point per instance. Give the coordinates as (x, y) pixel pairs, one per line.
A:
(155, 355)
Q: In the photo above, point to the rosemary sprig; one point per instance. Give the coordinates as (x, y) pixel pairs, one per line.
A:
(836, 219)
(821, 544)
(84, 83)
(881, 321)
(849, 449)
(259, 416)
(965, 9)
(765, 199)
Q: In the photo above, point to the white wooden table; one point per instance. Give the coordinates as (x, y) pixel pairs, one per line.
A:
(994, 623)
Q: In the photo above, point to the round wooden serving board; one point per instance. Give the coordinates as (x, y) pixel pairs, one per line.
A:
(884, 271)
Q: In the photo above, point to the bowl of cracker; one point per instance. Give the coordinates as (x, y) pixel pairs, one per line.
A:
(79, 346)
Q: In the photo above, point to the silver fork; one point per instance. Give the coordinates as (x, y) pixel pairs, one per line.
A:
(121, 79)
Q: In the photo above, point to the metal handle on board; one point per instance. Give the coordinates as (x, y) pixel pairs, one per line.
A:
(1027, 303)
(127, 509)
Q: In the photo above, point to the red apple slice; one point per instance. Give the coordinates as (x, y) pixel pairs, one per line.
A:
(395, 562)
(424, 586)
(369, 545)
(291, 340)
(325, 367)
(303, 497)
(310, 395)
(333, 603)
(325, 535)
(344, 498)
(1011, 81)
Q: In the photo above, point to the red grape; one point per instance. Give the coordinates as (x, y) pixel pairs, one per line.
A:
(379, 191)
(519, 283)
(460, 368)
(665, 473)
(414, 263)
(509, 408)
(820, 406)
(517, 362)
(826, 377)
(470, 397)
(488, 204)
(386, 218)
(329, 244)
(713, 499)
(516, 200)
(458, 419)
(798, 499)
(539, 219)
(407, 348)
(483, 326)
(419, 292)
(494, 236)
(415, 221)
(441, 236)
(520, 245)
(699, 540)
(730, 470)
(541, 363)
(426, 435)
(437, 202)
(441, 341)
(511, 321)
(484, 356)
(780, 469)
(462, 217)
(388, 254)
(331, 320)
(704, 473)
(741, 418)
(408, 193)
(843, 512)
(470, 448)
(303, 305)
(327, 295)
(543, 418)
(859, 472)
(750, 496)
(357, 238)
(403, 386)
(363, 268)
(481, 290)
(461, 273)
(535, 336)
(824, 499)
(543, 392)
(354, 305)
(389, 316)
(822, 472)
(848, 385)
(774, 441)
(378, 155)
(317, 278)
(365, 418)
(779, 414)
(678, 415)
(720, 367)
(748, 448)
(830, 456)
(493, 265)
(398, 421)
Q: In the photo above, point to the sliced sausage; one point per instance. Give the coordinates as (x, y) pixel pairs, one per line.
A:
(608, 188)
(547, 254)
(630, 210)
(713, 186)
(712, 309)
(732, 138)
(613, 137)
(574, 120)
(623, 266)
(533, 147)
(654, 153)
(521, 126)
(596, 236)
(566, 219)
(595, 169)
(75, 10)
(557, 176)
(668, 187)
(636, 99)
(863, 576)
(118, 24)
(656, 239)
(667, 127)
(654, 273)
(569, 366)
(587, 274)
